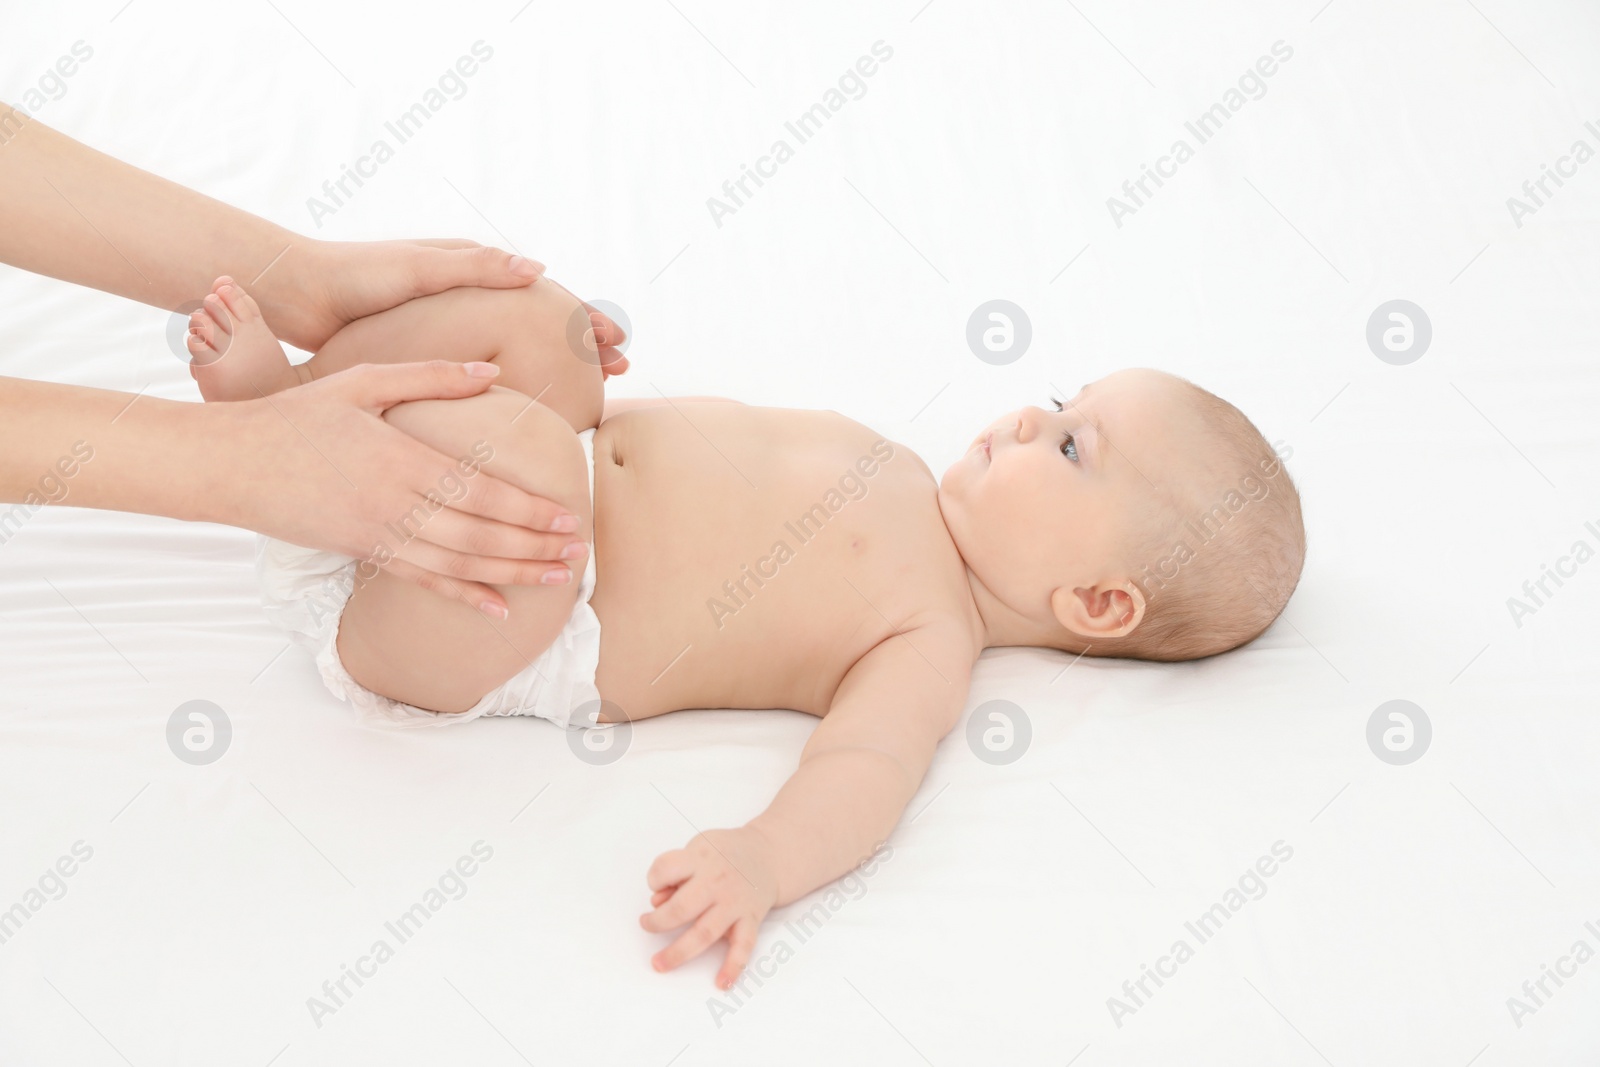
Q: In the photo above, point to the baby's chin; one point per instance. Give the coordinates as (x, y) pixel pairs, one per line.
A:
(949, 479)
(954, 499)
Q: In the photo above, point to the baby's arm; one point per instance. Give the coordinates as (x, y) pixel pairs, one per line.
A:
(860, 768)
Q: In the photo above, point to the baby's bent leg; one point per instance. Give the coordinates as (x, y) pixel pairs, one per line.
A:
(537, 336)
(439, 653)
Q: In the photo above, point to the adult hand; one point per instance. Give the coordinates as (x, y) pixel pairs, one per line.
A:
(62, 203)
(341, 281)
(318, 466)
(334, 283)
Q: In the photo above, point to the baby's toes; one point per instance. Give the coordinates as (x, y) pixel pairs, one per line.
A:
(210, 334)
(201, 351)
(201, 330)
(219, 321)
(240, 303)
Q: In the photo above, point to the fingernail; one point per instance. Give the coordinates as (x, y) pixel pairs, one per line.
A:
(574, 550)
(482, 370)
(558, 576)
(565, 524)
(526, 268)
(494, 611)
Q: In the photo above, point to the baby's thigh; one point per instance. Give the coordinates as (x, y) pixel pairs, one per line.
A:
(436, 652)
(538, 336)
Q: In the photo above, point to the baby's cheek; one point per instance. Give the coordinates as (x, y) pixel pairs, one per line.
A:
(1025, 487)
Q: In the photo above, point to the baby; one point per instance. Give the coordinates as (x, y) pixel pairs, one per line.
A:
(750, 557)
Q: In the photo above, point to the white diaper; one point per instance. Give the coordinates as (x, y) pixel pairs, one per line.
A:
(304, 592)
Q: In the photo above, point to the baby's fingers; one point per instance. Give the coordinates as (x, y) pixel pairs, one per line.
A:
(741, 942)
(669, 869)
(701, 936)
(689, 900)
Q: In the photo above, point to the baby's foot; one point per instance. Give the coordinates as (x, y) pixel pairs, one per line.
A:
(233, 356)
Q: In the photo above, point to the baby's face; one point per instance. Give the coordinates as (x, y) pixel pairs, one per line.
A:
(1047, 501)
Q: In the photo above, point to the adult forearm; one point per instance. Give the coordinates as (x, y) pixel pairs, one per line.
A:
(80, 215)
(831, 814)
(63, 444)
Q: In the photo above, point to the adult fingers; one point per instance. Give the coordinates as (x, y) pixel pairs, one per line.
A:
(377, 388)
(434, 267)
(490, 498)
(459, 566)
(380, 386)
(481, 597)
(474, 536)
(444, 242)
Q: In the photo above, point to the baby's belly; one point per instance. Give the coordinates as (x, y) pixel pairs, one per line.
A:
(747, 557)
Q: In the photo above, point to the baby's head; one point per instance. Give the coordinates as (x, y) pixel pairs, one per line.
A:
(1145, 518)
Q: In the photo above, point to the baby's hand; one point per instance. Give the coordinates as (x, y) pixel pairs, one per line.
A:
(723, 883)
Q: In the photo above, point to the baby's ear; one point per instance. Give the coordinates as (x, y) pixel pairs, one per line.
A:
(1100, 613)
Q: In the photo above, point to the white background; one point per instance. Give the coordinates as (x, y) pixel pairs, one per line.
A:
(1376, 166)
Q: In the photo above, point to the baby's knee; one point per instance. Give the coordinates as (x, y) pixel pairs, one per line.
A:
(549, 351)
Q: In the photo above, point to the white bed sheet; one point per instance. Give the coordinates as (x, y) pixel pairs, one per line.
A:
(1017, 899)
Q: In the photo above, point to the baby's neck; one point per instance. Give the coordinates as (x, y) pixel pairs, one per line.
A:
(1001, 626)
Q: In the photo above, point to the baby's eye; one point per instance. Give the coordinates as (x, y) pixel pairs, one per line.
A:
(1069, 447)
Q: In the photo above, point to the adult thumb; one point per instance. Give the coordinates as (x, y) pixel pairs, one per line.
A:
(435, 268)
(380, 386)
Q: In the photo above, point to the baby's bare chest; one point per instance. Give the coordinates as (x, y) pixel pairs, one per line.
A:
(747, 557)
